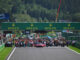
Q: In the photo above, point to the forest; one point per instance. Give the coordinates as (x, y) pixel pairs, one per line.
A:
(41, 10)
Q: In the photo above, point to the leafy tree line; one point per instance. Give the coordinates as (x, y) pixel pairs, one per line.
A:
(40, 10)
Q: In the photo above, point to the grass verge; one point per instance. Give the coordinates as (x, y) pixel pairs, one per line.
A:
(75, 49)
(5, 52)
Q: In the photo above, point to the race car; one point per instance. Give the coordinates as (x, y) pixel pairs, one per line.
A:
(40, 45)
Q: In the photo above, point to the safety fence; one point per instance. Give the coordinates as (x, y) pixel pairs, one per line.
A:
(1, 47)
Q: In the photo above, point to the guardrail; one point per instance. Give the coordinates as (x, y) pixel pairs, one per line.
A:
(1, 47)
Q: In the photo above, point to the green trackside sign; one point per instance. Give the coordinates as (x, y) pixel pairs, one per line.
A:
(40, 26)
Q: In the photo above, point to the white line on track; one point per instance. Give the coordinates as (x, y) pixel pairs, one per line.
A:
(72, 50)
(11, 54)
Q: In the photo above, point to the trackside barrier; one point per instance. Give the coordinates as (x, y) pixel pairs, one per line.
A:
(77, 45)
(1, 47)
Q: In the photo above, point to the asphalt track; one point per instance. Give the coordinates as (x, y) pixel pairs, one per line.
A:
(50, 53)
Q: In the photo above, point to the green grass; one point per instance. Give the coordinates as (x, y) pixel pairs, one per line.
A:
(74, 48)
(5, 52)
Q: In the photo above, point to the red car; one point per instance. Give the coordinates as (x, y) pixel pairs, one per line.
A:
(40, 45)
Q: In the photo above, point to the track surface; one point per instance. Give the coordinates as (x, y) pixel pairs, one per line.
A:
(50, 53)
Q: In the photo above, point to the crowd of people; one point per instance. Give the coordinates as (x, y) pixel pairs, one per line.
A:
(25, 42)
